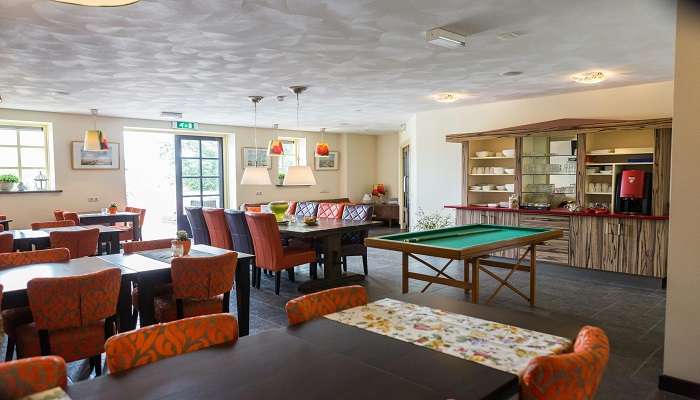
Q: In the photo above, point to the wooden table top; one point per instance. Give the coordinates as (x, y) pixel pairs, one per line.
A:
(324, 227)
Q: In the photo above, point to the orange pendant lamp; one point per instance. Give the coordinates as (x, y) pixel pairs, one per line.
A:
(322, 149)
(275, 148)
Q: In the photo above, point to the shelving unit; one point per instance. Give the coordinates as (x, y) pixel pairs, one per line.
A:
(472, 178)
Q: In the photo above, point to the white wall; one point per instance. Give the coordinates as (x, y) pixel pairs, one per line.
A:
(437, 167)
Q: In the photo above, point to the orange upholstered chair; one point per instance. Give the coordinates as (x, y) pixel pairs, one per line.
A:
(156, 342)
(52, 224)
(127, 229)
(269, 252)
(253, 209)
(73, 316)
(72, 216)
(218, 229)
(58, 215)
(201, 285)
(330, 210)
(81, 243)
(573, 375)
(14, 317)
(31, 375)
(7, 242)
(318, 304)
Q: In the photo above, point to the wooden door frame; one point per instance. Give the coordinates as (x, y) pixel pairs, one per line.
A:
(404, 214)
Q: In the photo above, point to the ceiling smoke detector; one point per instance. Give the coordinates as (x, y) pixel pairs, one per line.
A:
(171, 115)
(444, 38)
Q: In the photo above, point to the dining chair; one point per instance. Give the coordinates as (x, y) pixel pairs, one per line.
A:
(353, 243)
(14, 317)
(269, 252)
(58, 215)
(156, 342)
(198, 226)
(216, 225)
(316, 305)
(574, 375)
(201, 285)
(241, 239)
(73, 216)
(306, 209)
(292, 209)
(52, 224)
(28, 376)
(127, 228)
(7, 242)
(82, 243)
(330, 210)
(73, 316)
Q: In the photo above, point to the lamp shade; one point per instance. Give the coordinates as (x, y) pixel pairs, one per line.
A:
(94, 141)
(322, 150)
(99, 3)
(256, 176)
(275, 148)
(299, 175)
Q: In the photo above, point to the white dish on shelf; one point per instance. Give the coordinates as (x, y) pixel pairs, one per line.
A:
(474, 187)
(492, 205)
(501, 187)
(498, 170)
(509, 171)
(488, 187)
(508, 152)
(510, 187)
(504, 204)
(482, 154)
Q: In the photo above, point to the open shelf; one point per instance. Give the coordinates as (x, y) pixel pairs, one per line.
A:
(622, 163)
(598, 174)
(490, 191)
(492, 158)
(550, 174)
(491, 174)
(600, 193)
(549, 155)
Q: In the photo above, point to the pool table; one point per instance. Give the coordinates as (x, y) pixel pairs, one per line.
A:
(471, 244)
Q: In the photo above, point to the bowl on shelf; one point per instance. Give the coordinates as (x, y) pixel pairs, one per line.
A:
(498, 170)
(492, 205)
(501, 187)
(510, 187)
(508, 152)
(474, 187)
(504, 204)
(509, 171)
(488, 187)
(482, 154)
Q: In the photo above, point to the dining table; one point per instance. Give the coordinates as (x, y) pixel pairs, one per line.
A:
(27, 239)
(328, 233)
(98, 218)
(322, 359)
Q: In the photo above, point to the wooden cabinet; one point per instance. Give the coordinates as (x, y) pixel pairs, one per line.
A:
(585, 237)
(556, 250)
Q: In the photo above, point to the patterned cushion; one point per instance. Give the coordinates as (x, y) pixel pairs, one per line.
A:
(306, 209)
(51, 224)
(33, 257)
(203, 277)
(358, 212)
(31, 375)
(72, 343)
(292, 209)
(7, 242)
(81, 243)
(144, 245)
(318, 304)
(330, 210)
(574, 375)
(156, 342)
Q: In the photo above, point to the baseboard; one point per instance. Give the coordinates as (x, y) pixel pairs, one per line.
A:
(679, 386)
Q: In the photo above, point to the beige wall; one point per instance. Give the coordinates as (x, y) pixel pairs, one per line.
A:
(388, 155)
(681, 350)
(360, 162)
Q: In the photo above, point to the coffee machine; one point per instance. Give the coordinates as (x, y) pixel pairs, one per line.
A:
(633, 191)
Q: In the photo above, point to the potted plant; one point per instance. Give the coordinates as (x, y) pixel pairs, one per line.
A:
(113, 208)
(8, 182)
(185, 241)
(280, 178)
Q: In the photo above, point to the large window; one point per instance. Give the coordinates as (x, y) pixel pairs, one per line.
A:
(294, 154)
(23, 152)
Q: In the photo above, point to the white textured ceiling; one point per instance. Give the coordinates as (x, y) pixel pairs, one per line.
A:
(366, 61)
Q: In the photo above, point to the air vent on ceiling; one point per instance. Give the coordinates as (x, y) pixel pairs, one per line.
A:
(171, 115)
(445, 38)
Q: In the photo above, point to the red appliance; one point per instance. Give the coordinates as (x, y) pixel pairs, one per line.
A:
(632, 185)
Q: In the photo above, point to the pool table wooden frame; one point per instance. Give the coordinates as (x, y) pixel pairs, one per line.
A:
(476, 256)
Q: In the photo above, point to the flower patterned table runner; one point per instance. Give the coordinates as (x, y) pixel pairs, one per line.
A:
(500, 346)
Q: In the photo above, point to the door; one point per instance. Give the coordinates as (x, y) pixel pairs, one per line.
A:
(405, 186)
(199, 174)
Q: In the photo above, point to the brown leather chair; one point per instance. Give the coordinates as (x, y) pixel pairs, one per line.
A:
(52, 224)
(219, 235)
(73, 216)
(81, 243)
(7, 242)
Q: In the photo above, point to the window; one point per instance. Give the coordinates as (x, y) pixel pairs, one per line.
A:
(23, 152)
(294, 154)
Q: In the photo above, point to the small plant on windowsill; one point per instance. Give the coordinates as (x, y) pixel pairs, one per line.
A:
(435, 220)
(8, 182)
(280, 178)
(113, 208)
(184, 239)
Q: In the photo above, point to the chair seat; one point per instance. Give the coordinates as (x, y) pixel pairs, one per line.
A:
(125, 233)
(12, 318)
(166, 307)
(164, 289)
(72, 344)
(293, 256)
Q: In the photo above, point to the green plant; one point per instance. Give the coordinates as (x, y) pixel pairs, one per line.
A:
(430, 221)
(281, 176)
(9, 178)
(113, 205)
(182, 236)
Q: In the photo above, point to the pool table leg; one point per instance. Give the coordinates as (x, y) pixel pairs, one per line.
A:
(475, 280)
(404, 272)
(466, 276)
(533, 274)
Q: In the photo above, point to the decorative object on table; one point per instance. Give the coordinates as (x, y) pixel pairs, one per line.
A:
(379, 192)
(328, 163)
(254, 172)
(426, 222)
(322, 149)
(177, 248)
(112, 209)
(513, 201)
(367, 198)
(41, 181)
(184, 239)
(100, 159)
(21, 187)
(94, 140)
(279, 209)
(8, 182)
(311, 221)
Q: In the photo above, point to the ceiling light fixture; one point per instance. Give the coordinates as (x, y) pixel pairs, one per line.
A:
(589, 77)
(299, 175)
(94, 140)
(444, 38)
(322, 149)
(511, 73)
(448, 97)
(99, 3)
(256, 175)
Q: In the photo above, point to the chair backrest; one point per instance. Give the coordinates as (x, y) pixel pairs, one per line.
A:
(203, 277)
(133, 247)
(156, 342)
(330, 210)
(2, 228)
(140, 211)
(292, 209)
(218, 231)
(357, 212)
(58, 215)
(238, 229)
(31, 375)
(80, 243)
(198, 226)
(74, 301)
(17, 259)
(267, 241)
(573, 375)
(52, 224)
(73, 216)
(318, 304)
(306, 209)
(7, 242)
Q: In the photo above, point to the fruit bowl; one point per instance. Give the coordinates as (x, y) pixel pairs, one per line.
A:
(310, 221)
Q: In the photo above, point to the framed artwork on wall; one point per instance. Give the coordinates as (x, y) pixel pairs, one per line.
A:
(329, 163)
(256, 157)
(105, 159)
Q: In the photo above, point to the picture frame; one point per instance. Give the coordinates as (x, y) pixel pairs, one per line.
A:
(251, 154)
(329, 163)
(95, 160)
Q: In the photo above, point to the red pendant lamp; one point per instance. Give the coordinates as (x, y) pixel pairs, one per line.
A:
(322, 149)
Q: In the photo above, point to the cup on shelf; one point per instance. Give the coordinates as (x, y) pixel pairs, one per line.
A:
(508, 152)
(598, 188)
(498, 170)
(510, 187)
(480, 170)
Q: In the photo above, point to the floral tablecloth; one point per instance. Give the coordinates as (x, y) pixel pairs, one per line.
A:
(504, 347)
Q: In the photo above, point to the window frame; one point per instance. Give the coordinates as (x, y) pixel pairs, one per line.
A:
(299, 152)
(19, 146)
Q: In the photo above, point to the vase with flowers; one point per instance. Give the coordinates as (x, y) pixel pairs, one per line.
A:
(379, 192)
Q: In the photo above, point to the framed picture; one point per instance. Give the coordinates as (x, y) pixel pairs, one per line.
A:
(329, 163)
(256, 157)
(107, 159)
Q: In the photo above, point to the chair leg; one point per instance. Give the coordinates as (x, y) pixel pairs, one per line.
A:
(278, 277)
(345, 264)
(364, 263)
(313, 270)
(134, 318)
(96, 362)
(290, 274)
(253, 277)
(257, 281)
(10, 349)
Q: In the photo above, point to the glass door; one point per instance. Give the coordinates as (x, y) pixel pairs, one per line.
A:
(199, 170)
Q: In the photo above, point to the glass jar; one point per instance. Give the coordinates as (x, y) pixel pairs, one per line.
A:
(177, 248)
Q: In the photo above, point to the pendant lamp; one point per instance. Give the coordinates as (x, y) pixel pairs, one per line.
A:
(275, 148)
(99, 3)
(256, 175)
(322, 149)
(94, 140)
(299, 175)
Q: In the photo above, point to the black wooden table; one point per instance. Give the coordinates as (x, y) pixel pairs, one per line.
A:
(111, 219)
(26, 239)
(5, 224)
(328, 232)
(151, 271)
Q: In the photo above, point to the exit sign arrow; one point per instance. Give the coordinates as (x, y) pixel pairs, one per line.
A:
(192, 126)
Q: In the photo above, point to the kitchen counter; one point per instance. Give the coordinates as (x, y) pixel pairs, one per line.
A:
(561, 212)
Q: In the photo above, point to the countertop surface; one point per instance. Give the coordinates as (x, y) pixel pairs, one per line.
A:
(561, 212)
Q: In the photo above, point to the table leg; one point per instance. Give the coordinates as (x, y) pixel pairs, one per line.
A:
(146, 293)
(243, 296)
(475, 280)
(404, 272)
(533, 275)
(136, 227)
(124, 305)
(466, 276)
(333, 275)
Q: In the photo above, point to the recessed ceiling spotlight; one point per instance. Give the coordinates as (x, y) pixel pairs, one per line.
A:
(99, 3)
(509, 35)
(511, 73)
(281, 98)
(448, 97)
(445, 38)
(589, 77)
(60, 93)
(171, 115)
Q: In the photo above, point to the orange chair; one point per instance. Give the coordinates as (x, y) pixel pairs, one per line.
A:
(573, 375)
(52, 224)
(156, 342)
(269, 252)
(7, 242)
(81, 243)
(14, 317)
(73, 316)
(73, 216)
(127, 229)
(315, 305)
(218, 230)
(31, 375)
(58, 214)
(330, 210)
(201, 285)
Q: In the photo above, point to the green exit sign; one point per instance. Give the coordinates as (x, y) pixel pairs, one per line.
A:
(193, 126)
